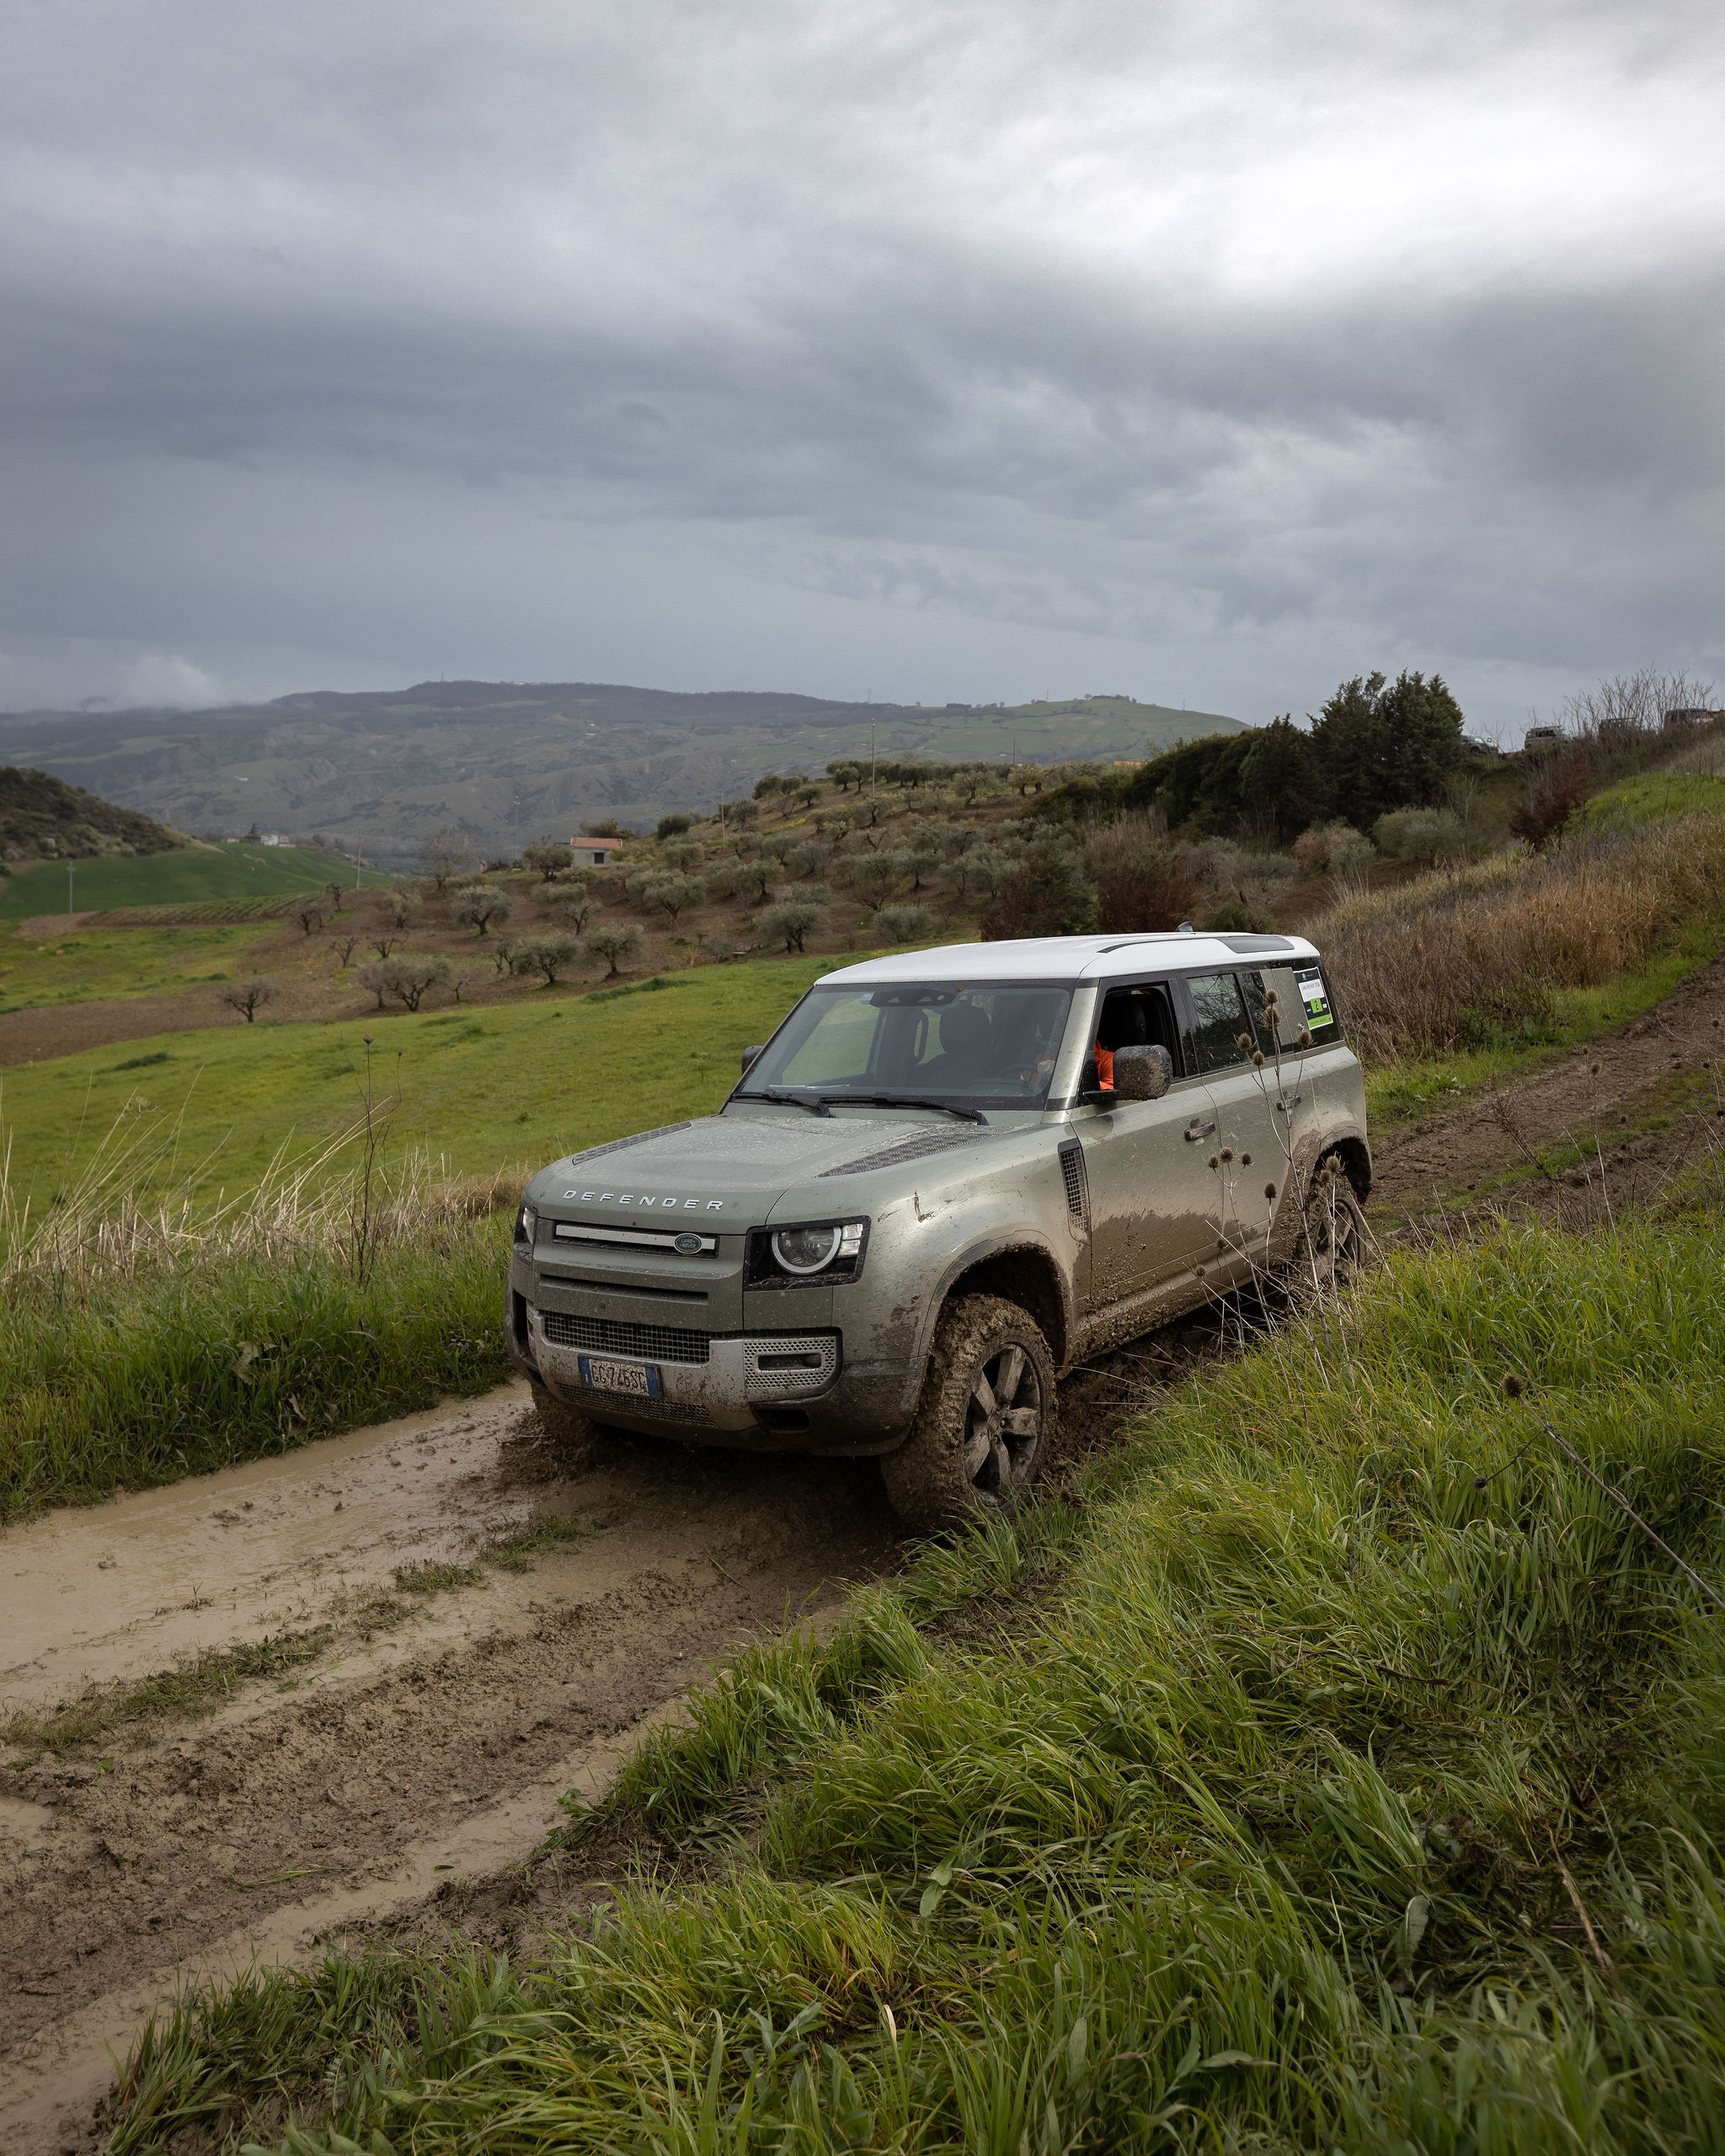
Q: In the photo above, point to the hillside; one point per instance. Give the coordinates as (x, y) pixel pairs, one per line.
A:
(513, 760)
(42, 816)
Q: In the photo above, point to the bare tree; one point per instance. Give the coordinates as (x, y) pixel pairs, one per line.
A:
(445, 854)
(342, 943)
(384, 938)
(248, 997)
(335, 893)
(309, 914)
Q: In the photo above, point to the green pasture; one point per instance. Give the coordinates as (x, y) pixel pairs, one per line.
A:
(194, 876)
(93, 964)
(479, 1089)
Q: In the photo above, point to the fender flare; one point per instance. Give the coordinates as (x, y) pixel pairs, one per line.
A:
(1008, 1245)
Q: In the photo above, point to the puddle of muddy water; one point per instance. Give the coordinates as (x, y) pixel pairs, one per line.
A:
(118, 1591)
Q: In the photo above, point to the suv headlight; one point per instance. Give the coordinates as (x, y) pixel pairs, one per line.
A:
(819, 1253)
(527, 1227)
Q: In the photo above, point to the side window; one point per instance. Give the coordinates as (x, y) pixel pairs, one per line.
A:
(1219, 1020)
(1289, 1009)
(1140, 1015)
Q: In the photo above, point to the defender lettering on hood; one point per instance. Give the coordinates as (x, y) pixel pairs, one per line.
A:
(631, 1197)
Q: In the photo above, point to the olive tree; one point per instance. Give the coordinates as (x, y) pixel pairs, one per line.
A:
(550, 953)
(799, 911)
(407, 979)
(672, 895)
(615, 945)
(481, 907)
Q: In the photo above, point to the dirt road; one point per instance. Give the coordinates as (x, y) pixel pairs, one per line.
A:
(397, 1740)
(425, 1738)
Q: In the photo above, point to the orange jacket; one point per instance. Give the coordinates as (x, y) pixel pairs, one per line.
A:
(1104, 1068)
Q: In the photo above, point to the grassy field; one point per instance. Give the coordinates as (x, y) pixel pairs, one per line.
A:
(95, 962)
(1339, 1768)
(198, 874)
(479, 1090)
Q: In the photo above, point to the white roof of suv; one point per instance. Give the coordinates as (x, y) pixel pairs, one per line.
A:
(1075, 958)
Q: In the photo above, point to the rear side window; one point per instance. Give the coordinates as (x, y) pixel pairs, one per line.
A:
(1219, 1020)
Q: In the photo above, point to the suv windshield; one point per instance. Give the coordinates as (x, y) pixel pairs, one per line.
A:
(984, 1045)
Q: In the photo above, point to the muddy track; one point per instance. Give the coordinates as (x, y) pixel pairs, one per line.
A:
(407, 1756)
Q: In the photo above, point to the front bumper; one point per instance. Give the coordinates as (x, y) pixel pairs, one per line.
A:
(761, 1392)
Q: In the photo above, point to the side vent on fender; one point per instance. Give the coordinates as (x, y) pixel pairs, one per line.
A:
(1072, 1168)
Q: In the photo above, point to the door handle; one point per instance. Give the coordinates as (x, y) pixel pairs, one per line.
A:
(1196, 1129)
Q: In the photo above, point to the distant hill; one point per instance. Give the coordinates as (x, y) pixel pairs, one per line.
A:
(42, 817)
(512, 760)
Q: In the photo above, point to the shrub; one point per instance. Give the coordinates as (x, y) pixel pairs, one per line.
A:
(1427, 834)
(904, 924)
(672, 826)
(615, 946)
(406, 978)
(1556, 787)
(1050, 895)
(1141, 883)
(481, 907)
(405, 906)
(718, 948)
(309, 914)
(248, 997)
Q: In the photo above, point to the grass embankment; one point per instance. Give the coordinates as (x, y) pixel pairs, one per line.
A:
(234, 1354)
(200, 873)
(1452, 982)
(1345, 1774)
(522, 1083)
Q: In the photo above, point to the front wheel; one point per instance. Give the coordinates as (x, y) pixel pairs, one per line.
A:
(1333, 1234)
(985, 1425)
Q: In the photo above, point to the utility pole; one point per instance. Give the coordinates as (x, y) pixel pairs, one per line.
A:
(871, 760)
(359, 861)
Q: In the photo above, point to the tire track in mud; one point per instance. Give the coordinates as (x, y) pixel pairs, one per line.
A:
(430, 1744)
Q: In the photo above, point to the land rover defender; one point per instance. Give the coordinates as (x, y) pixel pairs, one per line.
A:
(949, 1175)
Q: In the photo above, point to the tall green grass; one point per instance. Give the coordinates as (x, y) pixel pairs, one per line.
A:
(1345, 1771)
(131, 1381)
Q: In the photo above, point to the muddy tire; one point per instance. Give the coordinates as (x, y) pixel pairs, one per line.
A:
(1333, 1236)
(571, 1433)
(985, 1425)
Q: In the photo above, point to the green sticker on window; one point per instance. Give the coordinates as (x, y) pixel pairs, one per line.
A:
(1318, 1013)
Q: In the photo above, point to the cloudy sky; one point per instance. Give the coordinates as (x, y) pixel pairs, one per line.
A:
(917, 348)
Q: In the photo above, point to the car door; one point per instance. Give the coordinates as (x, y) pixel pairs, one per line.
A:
(1153, 1200)
(1248, 1148)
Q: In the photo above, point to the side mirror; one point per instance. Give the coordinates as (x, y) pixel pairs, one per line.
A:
(749, 1054)
(1142, 1074)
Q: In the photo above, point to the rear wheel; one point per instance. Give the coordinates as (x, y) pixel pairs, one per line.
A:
(986, 1424)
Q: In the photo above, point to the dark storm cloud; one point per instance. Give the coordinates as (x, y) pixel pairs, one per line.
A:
(1258, 343)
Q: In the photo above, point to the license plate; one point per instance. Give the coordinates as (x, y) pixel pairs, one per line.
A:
(600, 1374)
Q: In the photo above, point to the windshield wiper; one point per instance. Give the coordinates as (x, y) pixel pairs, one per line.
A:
(786, 1101)
(902, 1100)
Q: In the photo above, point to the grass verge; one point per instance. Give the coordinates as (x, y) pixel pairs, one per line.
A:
(195, 1687)
(1348, 1775)
(133, 1381)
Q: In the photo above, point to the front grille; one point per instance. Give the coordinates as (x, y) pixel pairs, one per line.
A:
(1072, 1168)
(605, 1335)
